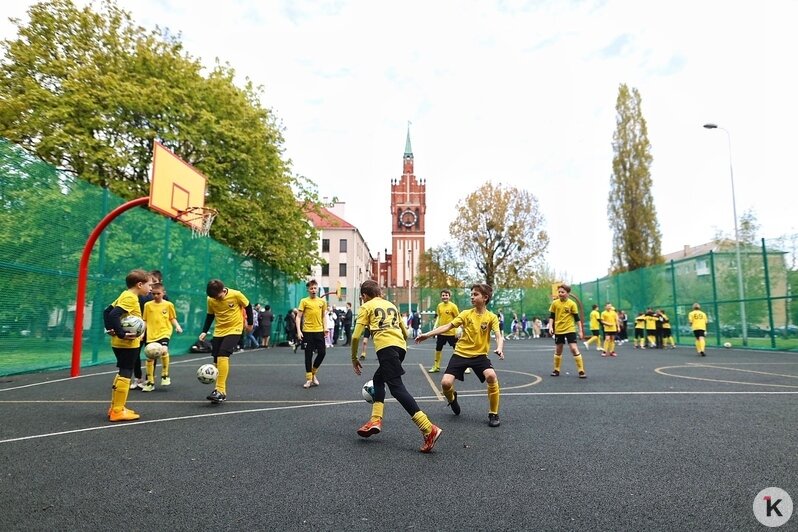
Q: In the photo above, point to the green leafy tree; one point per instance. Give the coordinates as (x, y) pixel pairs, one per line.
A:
(636, 241)
(89, 91)
(500, 229)
(441, 267)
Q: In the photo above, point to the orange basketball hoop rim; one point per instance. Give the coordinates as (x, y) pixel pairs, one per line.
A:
(198, 219)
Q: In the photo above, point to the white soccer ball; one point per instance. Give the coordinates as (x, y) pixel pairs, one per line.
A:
(367, 392)
(727, 345)
(207, 373)
(133, 324)
(154, 350)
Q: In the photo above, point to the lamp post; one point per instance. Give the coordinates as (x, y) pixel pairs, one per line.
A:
(740, 289)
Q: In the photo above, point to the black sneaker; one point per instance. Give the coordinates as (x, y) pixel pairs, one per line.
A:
(217, 397)
(582, 375)
(455, 405)
(555, 373)
(703, 354)
(493, 420)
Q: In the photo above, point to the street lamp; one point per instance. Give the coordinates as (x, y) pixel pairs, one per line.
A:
(740, 290)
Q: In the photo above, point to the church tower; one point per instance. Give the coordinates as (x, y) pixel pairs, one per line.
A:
(408, 207)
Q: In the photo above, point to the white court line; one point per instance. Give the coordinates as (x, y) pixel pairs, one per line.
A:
(661, 371)
(180, 418)
(438, 393)
(743, 370)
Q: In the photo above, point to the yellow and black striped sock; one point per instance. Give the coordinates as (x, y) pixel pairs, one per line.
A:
(422, 422)
(376, 411)
(493, 397)
(223, 365)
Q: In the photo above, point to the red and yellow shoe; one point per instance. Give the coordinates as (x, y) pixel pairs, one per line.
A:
(430, 439)
(370, 428)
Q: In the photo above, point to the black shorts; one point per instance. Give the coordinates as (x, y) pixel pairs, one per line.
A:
(163, 341)
(666, 333)
(224, 346)
(390, 359)
(442, 340)
(640, 333)
(699, 333)
(610, 333)
(567, 338)
(458, 364)
(595, 332)
(314, 341)
(126, 356)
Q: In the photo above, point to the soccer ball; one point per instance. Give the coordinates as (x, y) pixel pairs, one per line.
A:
(727, 345)
(207, 373)
(367, 392)
(154, 350)
(133, 324)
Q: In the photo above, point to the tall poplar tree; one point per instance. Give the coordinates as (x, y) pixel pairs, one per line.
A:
(636, 240)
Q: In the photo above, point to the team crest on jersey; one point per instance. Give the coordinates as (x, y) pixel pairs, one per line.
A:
(483, 326)
(230, 305)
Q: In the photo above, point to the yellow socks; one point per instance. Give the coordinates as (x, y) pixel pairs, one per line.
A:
(493, 397)
(119, 395)
(150, 370)
(376, 411)
(313, 373)
(165, 365)
(580, 365)
(449, 394)
(308, 376)
(557, 362)
(422, 422)
(438, 356)
(223, 365)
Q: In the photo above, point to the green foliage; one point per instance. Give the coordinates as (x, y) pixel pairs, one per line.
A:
(636, 236)
(441, 267)
(90, 91)
(500, 229)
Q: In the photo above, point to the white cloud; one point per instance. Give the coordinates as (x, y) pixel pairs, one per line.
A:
(521, 93)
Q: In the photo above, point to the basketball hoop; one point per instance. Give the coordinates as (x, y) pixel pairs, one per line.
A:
(199, 220)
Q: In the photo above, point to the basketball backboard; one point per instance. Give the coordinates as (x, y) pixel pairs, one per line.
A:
(175, 186)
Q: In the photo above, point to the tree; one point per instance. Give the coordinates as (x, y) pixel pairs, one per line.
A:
(441, 267)
(90, 91)
(500, 229)
(636, 241)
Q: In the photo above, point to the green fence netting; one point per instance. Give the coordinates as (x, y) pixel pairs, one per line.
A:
(45, 220)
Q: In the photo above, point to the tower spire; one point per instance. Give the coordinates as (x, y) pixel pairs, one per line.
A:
(408, 149)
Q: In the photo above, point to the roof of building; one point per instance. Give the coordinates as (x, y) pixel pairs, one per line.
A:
(327, 220)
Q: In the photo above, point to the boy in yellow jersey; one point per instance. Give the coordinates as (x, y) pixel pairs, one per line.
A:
(651, 328)
(595, 329)
(310, 331)
(225, 306)
(471, 350)
(667, 336)
(640, 330)
(126, 344)
(445, 313)
(609, 319)
(389, 334)
(161, 320)
(698, 322)
(564, 315)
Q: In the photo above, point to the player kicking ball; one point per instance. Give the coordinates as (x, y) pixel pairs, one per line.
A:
(389, 335)
(471, 350)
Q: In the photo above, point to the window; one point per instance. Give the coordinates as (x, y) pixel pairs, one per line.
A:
(325, 270)
(342, 245)
(342, 270)
(325, 245)
(701, 267)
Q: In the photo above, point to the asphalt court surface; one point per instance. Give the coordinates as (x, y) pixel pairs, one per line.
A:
(651, 440)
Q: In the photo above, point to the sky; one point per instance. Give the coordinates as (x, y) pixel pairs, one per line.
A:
(522, 94)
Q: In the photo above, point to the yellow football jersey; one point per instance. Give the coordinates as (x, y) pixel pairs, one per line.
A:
(384, 322)
(313, 311)
(610, 320)
(595, 316)
(159, 318)
(698, 320)
(227, 312)
(446, 313)
(566, 314)
(475, 340)
(130, 303)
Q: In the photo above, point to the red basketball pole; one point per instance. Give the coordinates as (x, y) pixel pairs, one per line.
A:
(83, 273)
